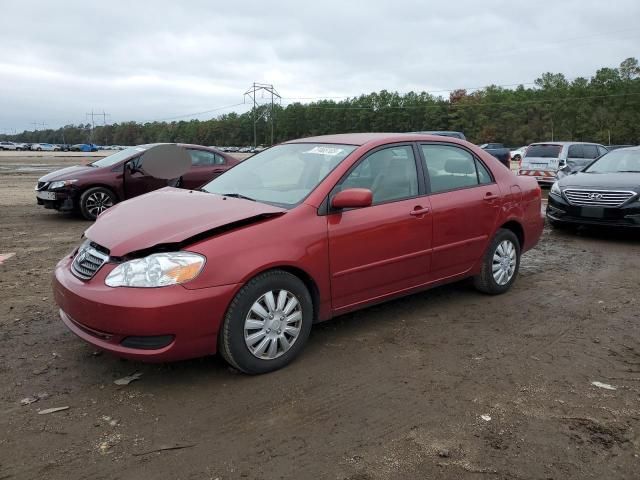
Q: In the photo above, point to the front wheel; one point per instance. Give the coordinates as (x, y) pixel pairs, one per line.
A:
(267, 323)
(96, 200)
(500, 264)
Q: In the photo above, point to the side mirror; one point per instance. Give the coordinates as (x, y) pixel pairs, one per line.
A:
(352, 198)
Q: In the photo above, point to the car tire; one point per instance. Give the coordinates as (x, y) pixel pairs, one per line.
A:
(39, 149)
(252, 327)
(500, 264)
(96, 200)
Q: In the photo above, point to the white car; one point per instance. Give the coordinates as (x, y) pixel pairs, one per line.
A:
(45, 147)
(518, 153)
(8, 146)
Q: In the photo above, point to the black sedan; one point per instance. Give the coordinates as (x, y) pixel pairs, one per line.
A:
(606, 192)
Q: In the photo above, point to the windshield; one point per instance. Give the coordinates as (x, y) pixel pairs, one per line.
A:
(283, 175)
(543, 151)
(617, 161)
(119, 156)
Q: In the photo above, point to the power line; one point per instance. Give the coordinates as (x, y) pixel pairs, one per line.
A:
(194, 114)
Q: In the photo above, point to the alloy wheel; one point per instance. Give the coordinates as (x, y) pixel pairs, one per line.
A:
(98, 202)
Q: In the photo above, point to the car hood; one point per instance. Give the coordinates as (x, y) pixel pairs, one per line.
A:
(68, 173)
(605, 181)
(172, 216)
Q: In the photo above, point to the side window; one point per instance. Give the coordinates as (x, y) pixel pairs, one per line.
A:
(601, 150)
(219, 159)
(575, 151)
(451, 168)
(484, 177)
(201, 158)
(590, 151)
(389, 173)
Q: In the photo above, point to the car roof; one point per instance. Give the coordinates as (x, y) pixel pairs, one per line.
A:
(359, 139)
(565, 143)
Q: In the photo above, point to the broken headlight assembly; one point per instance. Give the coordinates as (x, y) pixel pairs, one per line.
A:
(157, 270)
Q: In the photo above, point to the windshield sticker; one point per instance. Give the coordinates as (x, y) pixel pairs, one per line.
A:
(326, 151)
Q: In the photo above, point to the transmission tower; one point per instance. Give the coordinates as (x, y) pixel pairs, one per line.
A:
(251, 93)
(93, 122)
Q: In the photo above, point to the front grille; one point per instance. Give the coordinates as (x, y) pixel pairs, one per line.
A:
(88, 261)
(598, 198)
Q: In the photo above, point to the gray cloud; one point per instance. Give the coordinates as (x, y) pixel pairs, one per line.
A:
(164, 59)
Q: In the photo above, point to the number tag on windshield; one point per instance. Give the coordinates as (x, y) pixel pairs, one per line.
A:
(326, 151)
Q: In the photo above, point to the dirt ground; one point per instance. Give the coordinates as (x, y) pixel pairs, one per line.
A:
(443, 384)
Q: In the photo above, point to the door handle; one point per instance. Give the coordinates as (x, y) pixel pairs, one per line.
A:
(490, 196)
(418, 211)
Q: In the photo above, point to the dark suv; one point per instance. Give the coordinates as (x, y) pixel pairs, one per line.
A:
(93, 188)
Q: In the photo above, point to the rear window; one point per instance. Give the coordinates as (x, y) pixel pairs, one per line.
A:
(543, 151)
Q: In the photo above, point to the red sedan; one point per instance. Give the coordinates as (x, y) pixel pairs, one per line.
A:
(92, 188)
(297, 234)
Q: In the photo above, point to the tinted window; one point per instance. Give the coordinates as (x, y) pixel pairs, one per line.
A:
(590, 151)
(543, 151)
(575, 151)
(452, 167)
(200, 158)
(389, 173)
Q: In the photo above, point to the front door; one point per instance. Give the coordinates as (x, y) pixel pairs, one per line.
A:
(137, 181)
(465, 205)
(385, 248)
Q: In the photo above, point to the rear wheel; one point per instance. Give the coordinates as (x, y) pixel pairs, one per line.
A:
(96, 200)
(517, 158)
(267, 323)
(500, 264)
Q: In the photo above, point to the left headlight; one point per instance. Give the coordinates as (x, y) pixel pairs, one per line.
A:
(555, 190)
(157, 270)
(61, 183)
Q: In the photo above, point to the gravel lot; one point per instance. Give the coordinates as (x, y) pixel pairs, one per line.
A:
(443, 384)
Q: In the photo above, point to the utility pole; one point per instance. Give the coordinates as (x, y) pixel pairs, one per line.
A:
(251, 93)
(93, 121)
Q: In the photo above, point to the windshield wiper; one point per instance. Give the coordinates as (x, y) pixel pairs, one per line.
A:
(238, 195)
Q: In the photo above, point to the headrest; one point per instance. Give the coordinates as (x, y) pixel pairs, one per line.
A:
(459, 165)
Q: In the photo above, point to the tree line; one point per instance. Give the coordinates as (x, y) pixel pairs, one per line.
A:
(603, 108)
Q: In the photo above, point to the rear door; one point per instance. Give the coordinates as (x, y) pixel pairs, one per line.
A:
(385, 248)
(205, 166)
(465, 203)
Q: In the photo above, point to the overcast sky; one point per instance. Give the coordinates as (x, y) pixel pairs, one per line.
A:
(164, 59)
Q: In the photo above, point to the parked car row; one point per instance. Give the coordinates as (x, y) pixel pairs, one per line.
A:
(365, 215)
